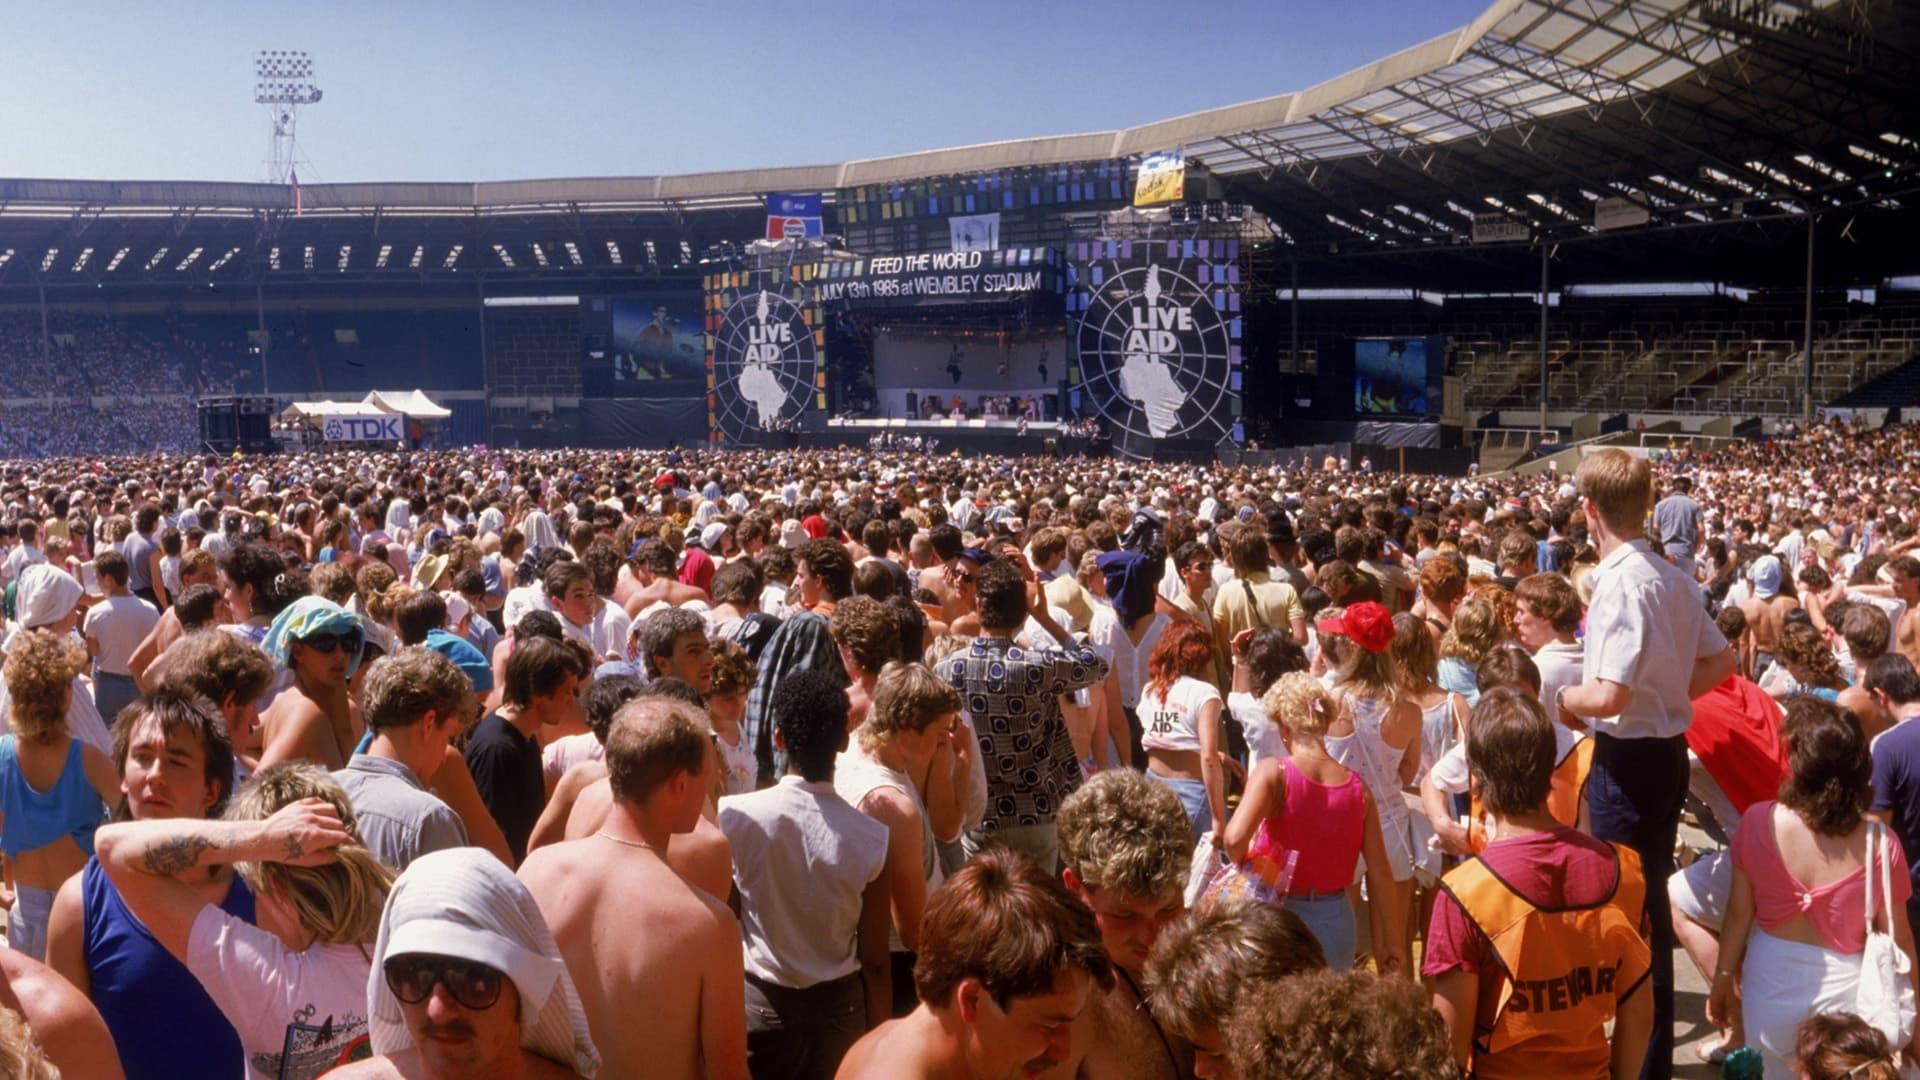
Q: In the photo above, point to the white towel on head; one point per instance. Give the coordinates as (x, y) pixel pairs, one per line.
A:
(465, 903)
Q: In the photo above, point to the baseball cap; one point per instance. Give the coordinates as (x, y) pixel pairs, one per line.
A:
(1366, 623)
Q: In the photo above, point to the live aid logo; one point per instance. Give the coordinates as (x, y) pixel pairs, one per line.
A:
(1155, 330)
(766, 341)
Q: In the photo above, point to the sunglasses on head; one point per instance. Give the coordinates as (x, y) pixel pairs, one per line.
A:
(474, 985)
(325, 644)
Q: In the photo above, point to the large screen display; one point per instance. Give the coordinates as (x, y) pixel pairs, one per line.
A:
(1398, 376)
(657, 338)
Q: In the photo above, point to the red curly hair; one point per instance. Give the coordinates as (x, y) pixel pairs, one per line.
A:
(1184, 649)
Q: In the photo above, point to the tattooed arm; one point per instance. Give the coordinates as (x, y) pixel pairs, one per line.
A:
(144, 859)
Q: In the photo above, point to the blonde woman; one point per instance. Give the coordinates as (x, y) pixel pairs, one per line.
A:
(295, 985)
(1307, 803)
(1473, 634)
(54, 789)
(1384, 746)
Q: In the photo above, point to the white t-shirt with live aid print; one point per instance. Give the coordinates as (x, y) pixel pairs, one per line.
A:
(1173, 724)
(298, 1014)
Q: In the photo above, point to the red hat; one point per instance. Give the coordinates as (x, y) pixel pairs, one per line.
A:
(1367, 623)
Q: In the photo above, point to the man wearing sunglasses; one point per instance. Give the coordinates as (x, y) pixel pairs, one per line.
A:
(468, 981)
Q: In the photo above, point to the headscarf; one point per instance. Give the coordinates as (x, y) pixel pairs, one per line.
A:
(539, 531)
(45, 595)
(1131, 581)
(464, 903)
(304, 618)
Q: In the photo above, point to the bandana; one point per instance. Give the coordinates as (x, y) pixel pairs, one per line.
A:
(1131, 579)
(304, 618)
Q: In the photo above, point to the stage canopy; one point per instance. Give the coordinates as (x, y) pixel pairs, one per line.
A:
(412, 404)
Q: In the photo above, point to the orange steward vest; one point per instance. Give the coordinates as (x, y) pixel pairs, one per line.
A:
(1565, 797)
(1564, 971)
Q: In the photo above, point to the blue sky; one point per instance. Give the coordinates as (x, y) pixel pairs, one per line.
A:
(488, 90)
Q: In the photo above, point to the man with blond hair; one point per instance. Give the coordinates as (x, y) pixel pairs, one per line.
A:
(1650, 649)
(1126, 842)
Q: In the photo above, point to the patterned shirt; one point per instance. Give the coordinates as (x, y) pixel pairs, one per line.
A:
(1012, 696)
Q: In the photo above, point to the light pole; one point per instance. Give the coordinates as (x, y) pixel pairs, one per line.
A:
(283, 81)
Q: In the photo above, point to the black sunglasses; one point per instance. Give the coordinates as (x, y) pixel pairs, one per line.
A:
(474, 985)
(325, 644)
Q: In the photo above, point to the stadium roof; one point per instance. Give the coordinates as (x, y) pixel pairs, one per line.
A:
(1701, 111)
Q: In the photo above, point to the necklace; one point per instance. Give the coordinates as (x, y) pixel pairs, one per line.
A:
(631, 843)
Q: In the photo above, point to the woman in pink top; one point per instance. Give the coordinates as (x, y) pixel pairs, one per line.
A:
(1796, 919)
(1310, 805)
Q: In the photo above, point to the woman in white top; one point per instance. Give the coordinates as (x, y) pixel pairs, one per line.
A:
(882, 774)
(1443, 722)
(1180, 716)
(1260, 656)
(294, 986)
(1384, 747)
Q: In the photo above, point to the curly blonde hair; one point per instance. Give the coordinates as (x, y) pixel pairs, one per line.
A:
(1298, 700)
(733, 672)
(40, 670)
(1475, 630)
(1121, 831)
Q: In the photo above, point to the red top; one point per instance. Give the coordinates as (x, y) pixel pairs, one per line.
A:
(1837, 909)
(1736, 735)
(1325, 823)
(1559, 869)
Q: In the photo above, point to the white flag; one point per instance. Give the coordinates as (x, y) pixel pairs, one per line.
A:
(975, 232)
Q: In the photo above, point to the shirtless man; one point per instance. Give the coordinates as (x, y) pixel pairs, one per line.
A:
(648, 579)
(1126, 844)
(594, 891)
(1008, 961)
(64, 1023)
(1765, 610)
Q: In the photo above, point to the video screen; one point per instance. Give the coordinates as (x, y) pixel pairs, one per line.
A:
(657, 338)
(1397, 376)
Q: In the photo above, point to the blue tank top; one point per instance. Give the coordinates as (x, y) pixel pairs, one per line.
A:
(35, 819)
(163, 1023)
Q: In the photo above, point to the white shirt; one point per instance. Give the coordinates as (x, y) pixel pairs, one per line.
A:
(1263, 736)
(19, 559)
(1646, 626)
(1559, 665)
(606, 635)
(263, 988)
(119, 624)
(520, 600)
(1129, 661)
(1173, 724)
(802, 859)
(567, 751)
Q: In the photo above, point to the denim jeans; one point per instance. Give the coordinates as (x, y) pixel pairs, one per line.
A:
(1193, 798)
(1331, 920)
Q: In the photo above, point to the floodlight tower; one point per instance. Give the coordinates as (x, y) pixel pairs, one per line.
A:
(283, 81)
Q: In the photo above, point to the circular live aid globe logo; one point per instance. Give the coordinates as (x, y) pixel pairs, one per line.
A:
(763, 364)
(1154, 352)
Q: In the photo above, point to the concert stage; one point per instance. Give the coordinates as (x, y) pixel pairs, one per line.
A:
(944, 436)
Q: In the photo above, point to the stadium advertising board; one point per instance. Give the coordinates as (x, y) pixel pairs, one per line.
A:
(793, 217)
(1157, 345)
(365, 427)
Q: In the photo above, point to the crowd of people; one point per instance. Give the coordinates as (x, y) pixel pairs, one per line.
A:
(880, 764)
(51, 376)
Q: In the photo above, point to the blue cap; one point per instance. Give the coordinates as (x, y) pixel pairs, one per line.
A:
(464, 656)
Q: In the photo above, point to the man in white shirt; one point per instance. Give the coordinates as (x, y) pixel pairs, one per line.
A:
(814, 909)
(1545, 617)
(1650, 650)
(596, 622)
(25, 554)
(115, 627)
